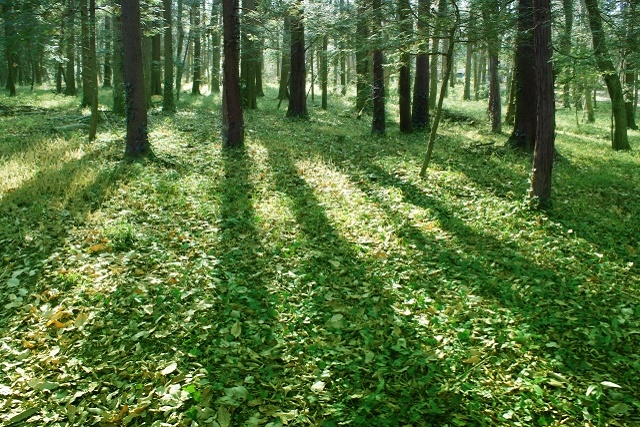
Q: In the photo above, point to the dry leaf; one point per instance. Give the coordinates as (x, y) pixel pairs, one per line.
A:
(169, 369)
(97, 248)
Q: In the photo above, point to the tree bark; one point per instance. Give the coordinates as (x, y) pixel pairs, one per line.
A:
(137, 141)
(435, 54)
(324, 71)
(84, 54)
(93, 70)
(232, 119)
(156, 59)
(9, 48)
(119, 102)
(285, 67)
(298, 97)
(197, 49)
(620, 140)
(404, 79)
(168, 103)
(363, 92)
(106, 82)
(70, 80)
(420, 111)
(378, 123)
(215, 54)
(524, 129)
(248, 58)
(179, 59)
(490, 11)
(565, 46)
(545, 127)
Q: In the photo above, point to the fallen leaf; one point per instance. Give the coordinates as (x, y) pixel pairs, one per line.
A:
(610, 384)
(224, 417)
(169, 369)
(318, 386)
(236, 329)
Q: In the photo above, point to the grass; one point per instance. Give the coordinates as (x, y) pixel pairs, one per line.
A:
(313, 278)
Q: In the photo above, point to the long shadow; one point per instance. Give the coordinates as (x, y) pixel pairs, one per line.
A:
(333, 278)
(554, 302)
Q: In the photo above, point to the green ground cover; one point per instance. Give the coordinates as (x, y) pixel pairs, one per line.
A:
(313, 279)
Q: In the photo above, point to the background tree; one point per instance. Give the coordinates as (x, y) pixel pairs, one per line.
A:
(232, 118)
(70, 76)
(297, 93)
(378, 124)
(420, 111)
(197, 47)
(168, 103)
(248, 59)
(404, 78)
(137, 141)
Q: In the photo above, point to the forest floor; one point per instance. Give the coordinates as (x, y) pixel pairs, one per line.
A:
(314, 278)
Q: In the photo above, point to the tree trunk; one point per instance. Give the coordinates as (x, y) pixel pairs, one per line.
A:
(119, 103)
(298, 97)
(420, 112)
(156, 59)
(93, 70)
(378, 123)
(524, 77)
(248, 59)
(106, 82)
(85, 43)
(285, 67)
(197, 48)
(630, 60)
(215, 45)
(232, 119)
(466, 95)
(565, 46)
(137, 142)
(363, 93)
(179, 59)
(259, 69)
(435, 54)
(168, 104)
(70, 80)
(404, 79)
(620, 140)
(545, 128)
(490, 12)
(588, 105)
(9, 47)
(324, 70)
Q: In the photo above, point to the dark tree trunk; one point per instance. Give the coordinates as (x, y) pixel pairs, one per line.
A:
(9, 48)
(197, 48)
(106, 82)
(285, 67)
(491, 10)
(420, 112)
(298, 97)
(248, 59)
(70, 80)
(378, 124)
(156, 61)
(137, 142)
(168, 104)
(232, 119)
(84, 54)
(605, 65)
(524, 129)
(93, 71)
(545, 128)
(215, 54)
(510, 117)
(565, 46)
(466, 94)
(363, 92)
(435, 54)
(324, 71)
(179, 59)
(119, 102)
(404, 79)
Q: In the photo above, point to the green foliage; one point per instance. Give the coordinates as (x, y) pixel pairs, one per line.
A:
(314, 279)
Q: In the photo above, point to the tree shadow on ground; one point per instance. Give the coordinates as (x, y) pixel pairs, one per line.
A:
(562, 316)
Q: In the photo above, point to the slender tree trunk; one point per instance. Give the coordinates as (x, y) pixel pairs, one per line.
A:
(179, 59)
(106, 82)
(168, 103)
(404, 79)
(476, 77)
(466, 95)
(630, 60)
(324, 70)
(197, 48)
(565, 45)
(137, 142)
(10, 53)
(156, 59)
(363, 93)
(298, 97)
(232, 118)
(420, 111)
(93, 69)
(510, 117)
(85, 43)
(119, 101)
(215, 54)
(435, 54)
(620, 140)
(378, 123)
(491, 10)
(588, 105)
(248, 59)
(545, 128)
(524, 129)
(70, 87)
(285, 67)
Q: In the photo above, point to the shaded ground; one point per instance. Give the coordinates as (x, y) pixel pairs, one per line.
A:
(314, 279)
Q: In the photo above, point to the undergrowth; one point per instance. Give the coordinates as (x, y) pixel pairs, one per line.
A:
(312, 278)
